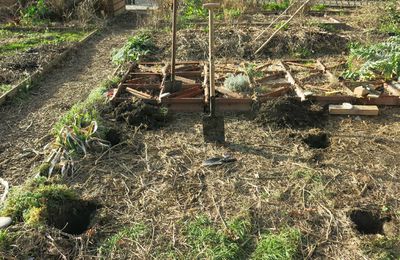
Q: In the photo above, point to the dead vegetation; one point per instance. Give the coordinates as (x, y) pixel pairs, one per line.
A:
(305, 185)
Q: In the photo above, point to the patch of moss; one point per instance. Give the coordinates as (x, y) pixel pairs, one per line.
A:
(28, 202)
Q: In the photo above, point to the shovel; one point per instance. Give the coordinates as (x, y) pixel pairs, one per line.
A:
(213, 125)
(173, 85)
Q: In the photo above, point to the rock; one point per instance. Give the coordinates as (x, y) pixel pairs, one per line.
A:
(5, 222)
(361, 91)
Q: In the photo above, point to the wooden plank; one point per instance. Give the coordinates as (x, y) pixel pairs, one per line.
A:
(361, 110)
(274, 76)
(276, 93)
(299, 91)
(228, 93)
(185, 80)
(119, 6)
(137, 93)
(392, 90)
(178, 73)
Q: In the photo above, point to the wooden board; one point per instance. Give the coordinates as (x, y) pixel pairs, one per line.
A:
(354, 110)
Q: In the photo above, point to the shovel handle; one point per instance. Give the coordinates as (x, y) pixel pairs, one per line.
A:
(211, 7)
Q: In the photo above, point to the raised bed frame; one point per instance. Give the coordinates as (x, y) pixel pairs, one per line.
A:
(146, 81)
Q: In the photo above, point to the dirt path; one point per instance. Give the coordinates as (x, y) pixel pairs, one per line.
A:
(25, 126)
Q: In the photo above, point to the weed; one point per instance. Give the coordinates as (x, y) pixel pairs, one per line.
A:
(237, 83)
(390, 22)
(327, 27)
(137, 46)
(233, 13)
(281, 25)
(28, 202)
(302, 53)
(4, 239)
(276, 6)
(113, 244)
(35, 12)
(382, 248)
(380, 60)
(4, 88)
(318, 7)
(281, 246)
(208, 243)
(194, 9)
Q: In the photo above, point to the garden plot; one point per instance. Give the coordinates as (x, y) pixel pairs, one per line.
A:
(24, 51)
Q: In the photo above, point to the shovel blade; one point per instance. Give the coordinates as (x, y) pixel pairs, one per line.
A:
(213, 129)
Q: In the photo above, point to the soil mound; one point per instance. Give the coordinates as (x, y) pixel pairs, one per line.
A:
(138, 113)
(290, 112)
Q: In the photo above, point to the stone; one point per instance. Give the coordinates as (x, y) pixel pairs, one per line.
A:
(361, 91)
(5, 222)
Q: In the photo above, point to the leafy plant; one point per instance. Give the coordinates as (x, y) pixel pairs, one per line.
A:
(237, 83)
(318, 7)
(380, 60)
(4, 239)
(194, 9)
(232, 13)
(35, 12)
(281, 246)
(276, 6)
(282, 24)
(137, 46)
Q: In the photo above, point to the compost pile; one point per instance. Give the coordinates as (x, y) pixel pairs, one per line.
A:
(289, 112)
(138, 113)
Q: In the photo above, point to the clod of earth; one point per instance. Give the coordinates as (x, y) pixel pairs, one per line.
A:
(290, 112)
(319, 140)
(367, 222)
(138, 113)
(72, 217)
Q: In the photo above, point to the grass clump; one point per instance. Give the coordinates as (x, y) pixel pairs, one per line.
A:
(125, 237)
(276, 6)
(237, 83)
(4, 88)
(4, 239)
(137, 46)
(29, 202)
(382, 248)
(21, 41)
(376, 61)
(209, 243)
(281, 246)
(318, 7)
(390, 22)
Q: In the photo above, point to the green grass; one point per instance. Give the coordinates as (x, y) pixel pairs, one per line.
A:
(130, 235)
(318, 7)
(382, 248)
(28, 202)
(276, 6)
(282, 246)
(390, 21)
(208, 242)
(22, 41)
(4, 239)
(4, 88)
(282, 24)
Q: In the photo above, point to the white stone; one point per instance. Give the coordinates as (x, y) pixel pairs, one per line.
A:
(5, 222)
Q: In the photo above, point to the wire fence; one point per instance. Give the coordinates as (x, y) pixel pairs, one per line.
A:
(335, 3)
